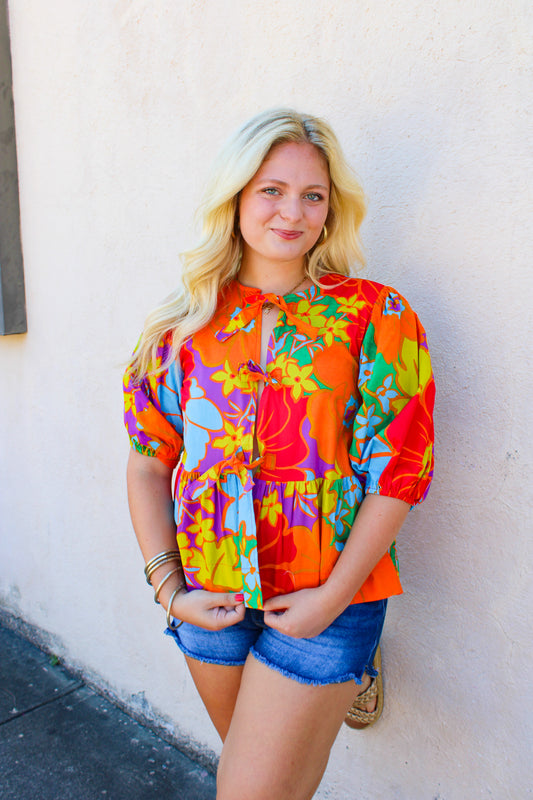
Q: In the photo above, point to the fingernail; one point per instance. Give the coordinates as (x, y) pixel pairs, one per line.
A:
(239, 597)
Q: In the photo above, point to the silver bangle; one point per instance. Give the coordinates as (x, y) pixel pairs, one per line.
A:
(158, 561)
(169, 608)
(165, 579)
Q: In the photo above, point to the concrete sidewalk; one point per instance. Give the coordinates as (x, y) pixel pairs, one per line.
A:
(60, 740)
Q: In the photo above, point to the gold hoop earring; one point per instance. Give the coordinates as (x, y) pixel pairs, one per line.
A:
(324, 234)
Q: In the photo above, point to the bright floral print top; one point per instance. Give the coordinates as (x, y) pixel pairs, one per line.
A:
(346, 410)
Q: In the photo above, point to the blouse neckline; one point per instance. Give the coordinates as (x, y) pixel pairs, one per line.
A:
(253, 290)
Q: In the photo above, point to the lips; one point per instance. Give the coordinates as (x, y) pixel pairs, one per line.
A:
(283, 234)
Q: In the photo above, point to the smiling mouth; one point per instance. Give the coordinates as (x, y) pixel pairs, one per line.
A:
(286, 234)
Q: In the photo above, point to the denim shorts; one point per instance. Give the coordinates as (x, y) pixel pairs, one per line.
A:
(342, 652)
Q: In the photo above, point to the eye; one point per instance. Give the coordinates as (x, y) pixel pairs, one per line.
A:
(270, 190)
(315, 197)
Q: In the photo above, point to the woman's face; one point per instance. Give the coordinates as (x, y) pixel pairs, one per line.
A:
(282, 210)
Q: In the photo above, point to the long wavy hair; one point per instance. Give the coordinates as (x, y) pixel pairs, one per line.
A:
(215, 261)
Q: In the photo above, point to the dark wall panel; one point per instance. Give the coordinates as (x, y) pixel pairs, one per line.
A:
(12, 299)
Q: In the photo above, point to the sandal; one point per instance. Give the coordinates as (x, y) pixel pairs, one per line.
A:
(357, 717)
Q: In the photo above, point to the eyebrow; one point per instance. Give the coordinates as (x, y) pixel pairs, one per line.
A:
(284, 183)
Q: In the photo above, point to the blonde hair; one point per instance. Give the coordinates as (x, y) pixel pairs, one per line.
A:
(215, 261)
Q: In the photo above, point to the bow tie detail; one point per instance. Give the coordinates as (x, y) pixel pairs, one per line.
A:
(250, 371)
(253, 306)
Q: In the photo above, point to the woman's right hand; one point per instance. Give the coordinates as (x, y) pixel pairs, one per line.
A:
(210, 610)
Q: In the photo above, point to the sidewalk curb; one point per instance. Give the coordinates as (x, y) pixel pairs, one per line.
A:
(51, 645)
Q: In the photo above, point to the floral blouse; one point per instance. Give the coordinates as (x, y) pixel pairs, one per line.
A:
(346, 410)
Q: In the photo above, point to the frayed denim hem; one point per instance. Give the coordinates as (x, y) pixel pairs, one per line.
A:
(343, 652)
(348, 676)
(204, 659)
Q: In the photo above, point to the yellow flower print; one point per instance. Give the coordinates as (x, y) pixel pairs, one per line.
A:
(332, 474)
(297, 378)
(202, 526)
(234, 438)
(231, 380)
(182, 540)
(234, 324)
(129, 402)
(206, 501)
(349, 306)
(427, 458)
(409, 379)
(312, 313)
(271, 508)
(329, 498)
(214, 564)
(335, 329)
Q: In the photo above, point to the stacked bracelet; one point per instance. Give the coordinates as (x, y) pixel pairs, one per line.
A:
(158, 561)
(169, 608)
(165, 579)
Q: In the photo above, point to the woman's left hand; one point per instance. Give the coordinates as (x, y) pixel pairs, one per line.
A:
(302, 614)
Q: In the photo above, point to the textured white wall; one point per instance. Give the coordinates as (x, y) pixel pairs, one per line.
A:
(120, 106)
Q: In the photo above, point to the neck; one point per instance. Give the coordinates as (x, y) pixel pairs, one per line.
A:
(273, 278)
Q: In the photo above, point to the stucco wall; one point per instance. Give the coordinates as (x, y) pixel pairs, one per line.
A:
(119, 108)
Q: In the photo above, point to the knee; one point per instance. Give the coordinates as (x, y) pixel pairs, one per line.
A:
(233, 779)
(235, 784)
(236, 779)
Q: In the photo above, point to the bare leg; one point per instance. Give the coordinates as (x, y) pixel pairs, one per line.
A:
(280, 735)
(218, 686)
(314, 717)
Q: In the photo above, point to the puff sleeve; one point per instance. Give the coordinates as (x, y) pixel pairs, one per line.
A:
(392, 446)
(152, 410)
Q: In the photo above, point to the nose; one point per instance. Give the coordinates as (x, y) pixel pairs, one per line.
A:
(291, 208)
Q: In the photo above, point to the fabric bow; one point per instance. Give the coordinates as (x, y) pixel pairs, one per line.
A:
(234, 465)
(251, 371)
(254, 304)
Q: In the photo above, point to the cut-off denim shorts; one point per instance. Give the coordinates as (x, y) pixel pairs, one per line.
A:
(342, 652)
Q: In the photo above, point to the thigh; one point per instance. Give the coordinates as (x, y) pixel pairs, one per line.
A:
(280, 735)
(215, 660)
(218, 686)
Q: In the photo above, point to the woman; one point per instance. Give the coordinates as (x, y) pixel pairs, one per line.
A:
(297, 401)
